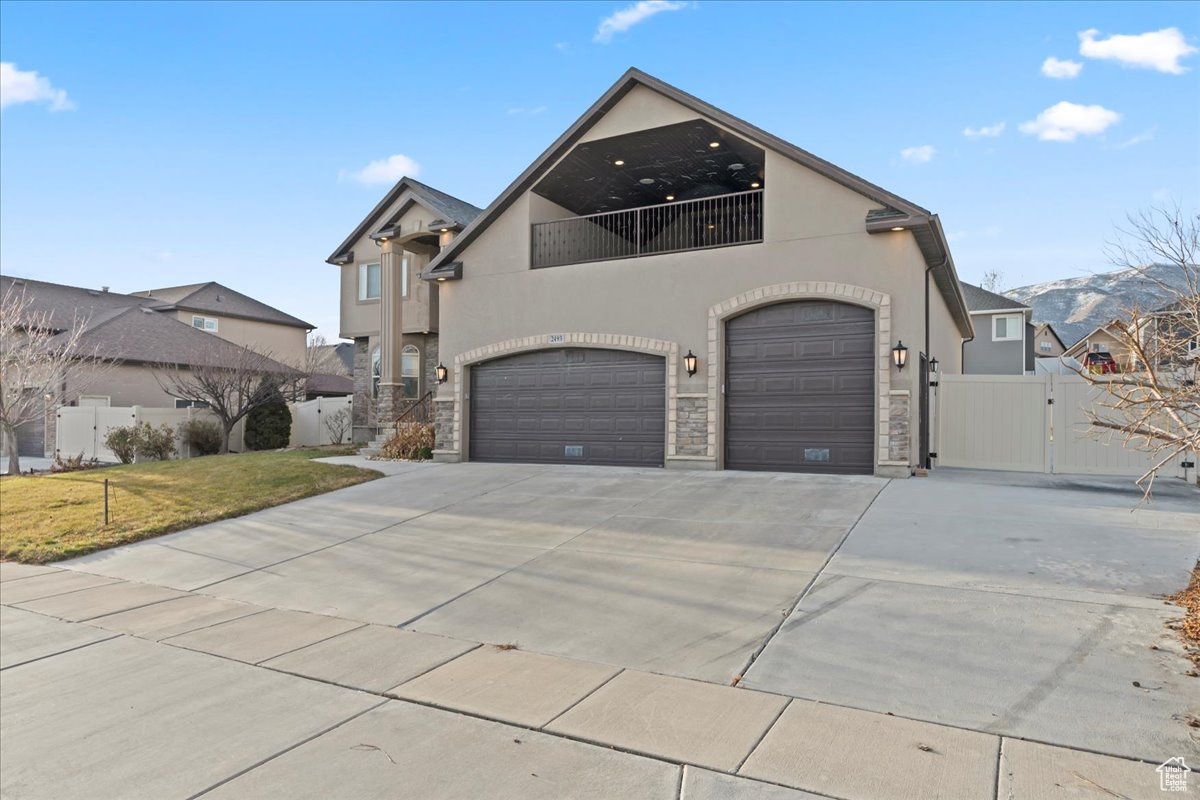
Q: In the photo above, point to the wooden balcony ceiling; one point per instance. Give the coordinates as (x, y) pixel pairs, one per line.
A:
(677, 160)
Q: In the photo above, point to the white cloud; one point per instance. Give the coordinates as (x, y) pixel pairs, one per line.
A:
(1054, 68)
(386, 170)
(1144, 136)
(17, 86)
(1063, 122)
(562, 47)
(522, 110)
(626, 18)
(984, 131)
(918, 155)
(1160, 50)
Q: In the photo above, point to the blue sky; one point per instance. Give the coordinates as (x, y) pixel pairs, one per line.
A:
(161, 144)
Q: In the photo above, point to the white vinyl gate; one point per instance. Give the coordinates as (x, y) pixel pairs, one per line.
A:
(1029, 423)
(82, 429)
(310, 426)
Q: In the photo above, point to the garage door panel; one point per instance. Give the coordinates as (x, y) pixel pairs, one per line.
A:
(592, 407)
(800, 388)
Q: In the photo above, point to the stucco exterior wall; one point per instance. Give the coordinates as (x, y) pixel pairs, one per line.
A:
(124, 385)
(813, 232)
(982, 356)
(284, 343)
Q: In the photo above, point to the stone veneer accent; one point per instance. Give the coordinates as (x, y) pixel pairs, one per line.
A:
(443, 423)
(808, 290)
(363, 415)
(899, 441)
(429, 362)
(453, 445)
(691, 425)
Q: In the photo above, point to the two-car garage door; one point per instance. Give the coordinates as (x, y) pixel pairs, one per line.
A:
(570, 406)
(799, 397)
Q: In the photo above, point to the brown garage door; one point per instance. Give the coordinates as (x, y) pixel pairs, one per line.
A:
(570, 406)
(800, 388)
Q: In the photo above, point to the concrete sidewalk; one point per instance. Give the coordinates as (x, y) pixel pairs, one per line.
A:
(966, 635)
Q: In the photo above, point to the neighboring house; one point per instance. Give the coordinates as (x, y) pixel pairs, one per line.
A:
(391, 316)
(668, 285)
(134, 338)
(331, 368)
(1046, 343)
(335, 359)
(323, 384)
(1004, 336)
(235, 317)
(1104, 339)
(1171, 334)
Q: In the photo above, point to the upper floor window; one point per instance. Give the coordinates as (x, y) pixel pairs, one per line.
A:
(1007, 328)
(204, 324)
(1046, 346)
(184, 403)
(1097, 347)
(368, 281)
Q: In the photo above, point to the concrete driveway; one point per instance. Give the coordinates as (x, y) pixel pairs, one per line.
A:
(964, 635)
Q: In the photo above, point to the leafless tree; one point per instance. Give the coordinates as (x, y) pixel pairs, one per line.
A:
(38, 357)
(1153, 405)
(322, 360)
(992, 280)
(232, 380)
(338, 425)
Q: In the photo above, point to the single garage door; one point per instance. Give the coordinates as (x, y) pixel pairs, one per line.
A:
(570, 406)
(31, 438)
(800, 388)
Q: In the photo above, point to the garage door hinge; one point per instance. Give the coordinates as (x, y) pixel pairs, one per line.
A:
(933, 455)
(1050, 401)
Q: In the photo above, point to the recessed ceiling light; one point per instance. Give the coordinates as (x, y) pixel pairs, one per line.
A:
(619, 163)
(714, 144)
(755, 185)
(670, 197)
(737, 166)
(646, 181)
(897, 229)
(441, 280)
(710, 227)
(445, 230)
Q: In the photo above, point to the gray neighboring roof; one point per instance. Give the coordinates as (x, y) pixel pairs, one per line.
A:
(218, 299)
(142, 335)
(980, 299)
(343, 352)
(449, 208)
(328, 385)
(70, 305)
(926, 227)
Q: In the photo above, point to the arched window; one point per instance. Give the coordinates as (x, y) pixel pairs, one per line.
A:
(410, 369)
(376, 371)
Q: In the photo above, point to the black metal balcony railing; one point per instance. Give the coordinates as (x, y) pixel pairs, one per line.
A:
(718, 221)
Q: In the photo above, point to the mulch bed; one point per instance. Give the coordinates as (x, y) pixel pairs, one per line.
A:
(1189, 627)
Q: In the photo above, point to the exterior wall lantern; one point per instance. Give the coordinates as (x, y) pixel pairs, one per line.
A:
(899, 355)
(442, 373)
(933, 362)
(689, 363)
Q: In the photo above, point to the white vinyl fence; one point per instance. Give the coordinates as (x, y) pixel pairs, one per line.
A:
(81, 429)
(1030, 423)
(312, 421)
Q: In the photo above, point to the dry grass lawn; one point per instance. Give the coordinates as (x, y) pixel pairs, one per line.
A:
(52, 517)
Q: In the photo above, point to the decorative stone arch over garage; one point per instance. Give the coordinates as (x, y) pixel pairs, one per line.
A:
(891, 409)
(449, 411)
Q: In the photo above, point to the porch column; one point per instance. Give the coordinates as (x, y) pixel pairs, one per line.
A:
(391, 326)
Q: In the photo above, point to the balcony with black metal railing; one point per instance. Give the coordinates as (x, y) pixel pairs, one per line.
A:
(700, 224)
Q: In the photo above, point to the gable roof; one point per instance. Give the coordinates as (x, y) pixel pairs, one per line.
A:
(925, 226)
(1046, 327)
(980, 299)
(1105, 328)
(216, 298)
(450, 209)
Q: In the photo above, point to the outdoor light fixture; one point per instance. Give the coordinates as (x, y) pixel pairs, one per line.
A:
(442, 373)
(619, 163)
(714, 144)
(444, 230)
(899, 355)
(670, 197)
(755, 185)
(441, 280)
(897, 229)
(689, 363)
(933, 365)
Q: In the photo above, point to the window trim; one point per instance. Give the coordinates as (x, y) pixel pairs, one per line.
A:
(364, 281)
(203, 326)
(1020, 332)
(203, 405)
(1045, 347)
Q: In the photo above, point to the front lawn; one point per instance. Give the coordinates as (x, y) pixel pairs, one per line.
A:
(52, 517)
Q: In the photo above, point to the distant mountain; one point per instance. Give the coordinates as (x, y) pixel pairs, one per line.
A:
(1077, 306)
